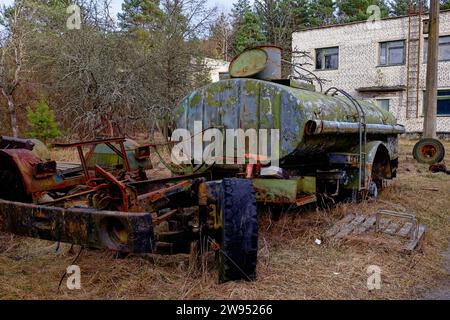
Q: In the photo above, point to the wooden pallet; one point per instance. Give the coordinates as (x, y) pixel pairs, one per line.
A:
(402, 226)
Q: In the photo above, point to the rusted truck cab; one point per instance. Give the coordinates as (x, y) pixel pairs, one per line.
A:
(104, 203)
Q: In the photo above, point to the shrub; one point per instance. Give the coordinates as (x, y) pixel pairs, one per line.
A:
(42, 122)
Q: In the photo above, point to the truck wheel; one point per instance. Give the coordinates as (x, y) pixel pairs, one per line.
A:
(429, 151)
(239, 246)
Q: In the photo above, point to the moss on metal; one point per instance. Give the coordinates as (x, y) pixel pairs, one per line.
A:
(251, 103)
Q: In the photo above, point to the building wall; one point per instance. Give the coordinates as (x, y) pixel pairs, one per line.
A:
(359, 58)
(216, 67)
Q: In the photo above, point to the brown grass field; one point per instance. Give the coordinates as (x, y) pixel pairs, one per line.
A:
(290, 266)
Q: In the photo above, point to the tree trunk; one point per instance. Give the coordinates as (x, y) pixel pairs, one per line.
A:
(13, 115)
(429, 124)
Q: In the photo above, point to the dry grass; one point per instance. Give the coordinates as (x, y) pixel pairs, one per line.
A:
(291, 265)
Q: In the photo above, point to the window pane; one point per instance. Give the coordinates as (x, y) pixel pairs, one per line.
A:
(444, 51)
(383, 54)
(331, 61)
(396, 55)
(444, 40)
(443, 107)
(332, 51)
(425, 50)
(335, 61)
(443, 92)
(327, 58)
(383, 103)
(319, 57)
(396, 44)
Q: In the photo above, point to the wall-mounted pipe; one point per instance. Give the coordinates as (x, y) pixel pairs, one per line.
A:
(314, 127)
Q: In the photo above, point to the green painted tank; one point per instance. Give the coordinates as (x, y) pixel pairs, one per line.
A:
(106, 157)
(251, 103)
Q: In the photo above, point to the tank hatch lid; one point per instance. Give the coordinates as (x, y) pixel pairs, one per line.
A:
(248, 63)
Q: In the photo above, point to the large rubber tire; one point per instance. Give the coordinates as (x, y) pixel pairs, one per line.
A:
(239, 245)
(429, 151)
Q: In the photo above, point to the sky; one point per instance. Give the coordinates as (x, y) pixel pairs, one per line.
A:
(116, 5)
(222, 5)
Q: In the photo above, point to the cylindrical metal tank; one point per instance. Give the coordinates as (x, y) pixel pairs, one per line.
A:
(272, 71)
(252, 103)
(248, 63)
(263, 62)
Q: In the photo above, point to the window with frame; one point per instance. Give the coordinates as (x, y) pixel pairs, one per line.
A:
(443, 102)
(384, 103)
(444, 49)
(327, 58)
(392, 53)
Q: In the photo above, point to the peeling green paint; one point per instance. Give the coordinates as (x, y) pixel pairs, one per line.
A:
(252, 103)
(283, 190)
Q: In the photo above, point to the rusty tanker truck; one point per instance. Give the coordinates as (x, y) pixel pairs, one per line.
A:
(329, 146)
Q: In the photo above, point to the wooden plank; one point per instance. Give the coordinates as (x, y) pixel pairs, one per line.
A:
(348, 228)
(405, 231)
(366, 225)
(384, 222)
(391, 228)
(412, 244)
(338, 225)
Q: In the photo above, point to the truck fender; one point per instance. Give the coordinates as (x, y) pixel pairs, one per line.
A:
(11, 169)
(378, 161)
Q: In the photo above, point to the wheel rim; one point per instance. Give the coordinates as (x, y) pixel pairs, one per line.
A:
(428, 151)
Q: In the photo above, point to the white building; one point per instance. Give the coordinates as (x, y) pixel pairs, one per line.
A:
(216, 68)
(384, 62)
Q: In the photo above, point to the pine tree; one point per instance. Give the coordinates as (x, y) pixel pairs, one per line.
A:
(399, 7)
(356, 10)
(402, 7)
(268, 12)
(240, 8)
(139, 14)
(277, 21)
(249, 33)
(445, 4)
(322, 12)
(42, 122)
(301, 13)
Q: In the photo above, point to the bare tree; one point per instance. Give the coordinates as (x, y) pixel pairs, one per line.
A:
(180, 66)
(301, 61)
(12, 57)
(98, 71)
(222, 35)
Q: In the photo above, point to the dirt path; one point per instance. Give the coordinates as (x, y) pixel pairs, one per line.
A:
(442, 292)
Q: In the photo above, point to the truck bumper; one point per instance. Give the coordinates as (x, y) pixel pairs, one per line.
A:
(120, 231)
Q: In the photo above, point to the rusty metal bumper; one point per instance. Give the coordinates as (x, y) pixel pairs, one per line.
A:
(120, 231)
